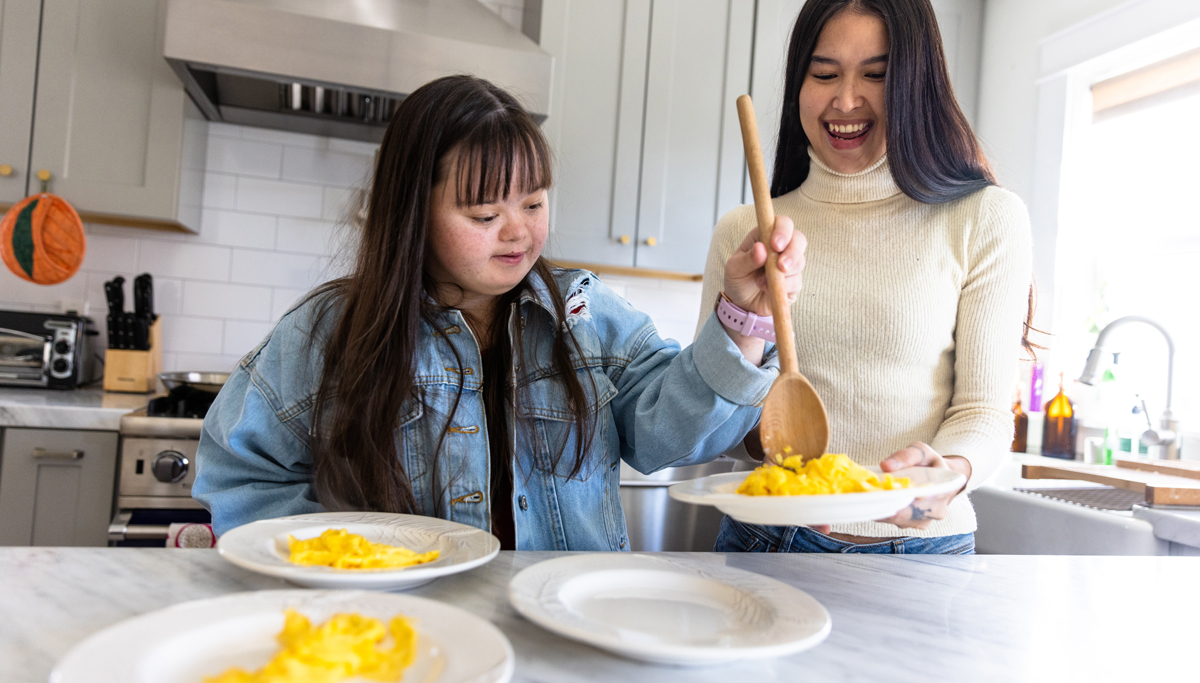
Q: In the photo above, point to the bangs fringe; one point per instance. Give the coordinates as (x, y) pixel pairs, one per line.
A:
(502, 155)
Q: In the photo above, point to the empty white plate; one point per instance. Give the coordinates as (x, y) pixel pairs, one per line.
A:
(262, 547)
(668, 610)
(186, 642)
(720, 490)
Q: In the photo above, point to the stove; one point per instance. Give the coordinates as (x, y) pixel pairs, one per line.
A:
(157, 456)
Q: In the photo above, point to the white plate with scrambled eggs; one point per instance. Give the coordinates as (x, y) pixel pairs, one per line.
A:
(669, 610)
(360, 543)
(883, 496)
(206, 640)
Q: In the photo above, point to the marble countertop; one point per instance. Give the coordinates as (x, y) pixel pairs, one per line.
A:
(86, 408)
(901, 619)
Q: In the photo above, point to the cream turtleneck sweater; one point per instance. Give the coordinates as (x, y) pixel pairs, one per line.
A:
(909, 321)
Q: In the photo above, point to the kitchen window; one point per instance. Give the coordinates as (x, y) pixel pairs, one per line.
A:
(1129, 232)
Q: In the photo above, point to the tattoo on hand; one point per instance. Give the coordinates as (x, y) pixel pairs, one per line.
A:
(919, 514)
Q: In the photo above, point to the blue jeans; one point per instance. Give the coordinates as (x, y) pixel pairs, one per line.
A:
(736, 537)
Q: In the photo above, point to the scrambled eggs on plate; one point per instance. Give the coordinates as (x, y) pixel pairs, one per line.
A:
(340, 549)
(830, 473)
(346, 645)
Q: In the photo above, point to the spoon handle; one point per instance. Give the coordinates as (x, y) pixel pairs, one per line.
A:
(785, 340)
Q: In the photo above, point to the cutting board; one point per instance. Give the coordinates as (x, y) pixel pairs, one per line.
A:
(1159, 488)
(1179, 468)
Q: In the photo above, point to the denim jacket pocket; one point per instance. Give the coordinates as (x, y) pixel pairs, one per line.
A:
(554, 425)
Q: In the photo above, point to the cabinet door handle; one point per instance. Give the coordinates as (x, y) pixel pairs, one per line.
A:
(43, 454)
(6, 170)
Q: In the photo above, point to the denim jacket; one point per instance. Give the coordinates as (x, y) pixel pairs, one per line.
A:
(655, 407)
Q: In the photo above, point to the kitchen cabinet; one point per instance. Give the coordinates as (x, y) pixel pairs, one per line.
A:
(18, 68)
(111, 122)
(644, 126)
(961, 25)
(56, 486)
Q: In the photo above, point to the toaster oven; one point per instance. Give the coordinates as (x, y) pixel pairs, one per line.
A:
(45, 350)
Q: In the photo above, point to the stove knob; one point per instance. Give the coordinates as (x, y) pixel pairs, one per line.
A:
(169, 466)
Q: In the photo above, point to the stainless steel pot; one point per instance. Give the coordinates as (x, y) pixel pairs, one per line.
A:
(204, 381)
(656, 522)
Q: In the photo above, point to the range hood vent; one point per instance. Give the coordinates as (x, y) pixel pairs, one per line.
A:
(340, 68)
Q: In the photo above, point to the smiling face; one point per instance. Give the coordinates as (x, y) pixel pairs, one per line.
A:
(480, 251)
(841, 98)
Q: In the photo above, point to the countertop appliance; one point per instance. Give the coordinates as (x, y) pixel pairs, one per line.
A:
(157, 466)
(339, 68)
(45, 350)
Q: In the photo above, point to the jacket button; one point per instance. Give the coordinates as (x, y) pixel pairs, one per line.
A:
(523, 502)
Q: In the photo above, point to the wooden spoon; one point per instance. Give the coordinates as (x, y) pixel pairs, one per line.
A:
(793, 417)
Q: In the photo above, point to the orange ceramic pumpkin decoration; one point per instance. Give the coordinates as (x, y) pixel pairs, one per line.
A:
(42, 240)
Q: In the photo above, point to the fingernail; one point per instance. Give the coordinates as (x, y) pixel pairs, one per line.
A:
(785, 263)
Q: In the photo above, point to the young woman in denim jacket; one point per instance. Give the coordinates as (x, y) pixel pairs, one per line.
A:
(455, 373)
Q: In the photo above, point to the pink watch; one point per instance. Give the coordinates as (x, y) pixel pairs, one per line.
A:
(745, 322)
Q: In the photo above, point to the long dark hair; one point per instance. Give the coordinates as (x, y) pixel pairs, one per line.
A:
(369, 359)
(932, 152)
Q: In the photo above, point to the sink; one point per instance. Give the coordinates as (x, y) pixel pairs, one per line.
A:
(1013, 522)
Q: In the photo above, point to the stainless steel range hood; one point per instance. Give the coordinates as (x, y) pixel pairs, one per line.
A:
(339, 67)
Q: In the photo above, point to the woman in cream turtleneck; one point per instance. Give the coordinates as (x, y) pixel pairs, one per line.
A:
(917, 275)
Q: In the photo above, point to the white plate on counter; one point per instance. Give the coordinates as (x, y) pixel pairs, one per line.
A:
(720, 490)
(185, 643)
(262, 547)
(668, 610)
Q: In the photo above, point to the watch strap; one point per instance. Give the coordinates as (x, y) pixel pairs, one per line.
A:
(745, 322)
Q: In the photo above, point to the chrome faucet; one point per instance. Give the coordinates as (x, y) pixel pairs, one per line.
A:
(1167, 435)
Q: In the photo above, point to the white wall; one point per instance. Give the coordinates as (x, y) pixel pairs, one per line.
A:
(1006, 118)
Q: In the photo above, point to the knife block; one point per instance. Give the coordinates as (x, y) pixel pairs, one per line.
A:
(134, 371)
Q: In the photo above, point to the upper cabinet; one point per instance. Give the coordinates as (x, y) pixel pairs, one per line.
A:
(111, 122)
(644, 126)
(18, 68)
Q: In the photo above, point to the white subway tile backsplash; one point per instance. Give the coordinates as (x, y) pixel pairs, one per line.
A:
(17, 290)
(168, 295)
(367, 149)
(279, 197)
(306, 236)
(325, 166)
(185, 260)
(108, 253)
(242, 336)
(282, 270)
(200, 362)
(234, 302)
(225, 130)
(284, 137)
(338, 202)
(220, 191)
(282, 300)
(244, 157)
(234, 229)
(191, 335)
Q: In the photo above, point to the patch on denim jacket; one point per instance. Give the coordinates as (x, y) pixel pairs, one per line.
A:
(578, 304)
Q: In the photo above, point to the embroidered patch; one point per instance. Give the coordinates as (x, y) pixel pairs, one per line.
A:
(578, 304)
